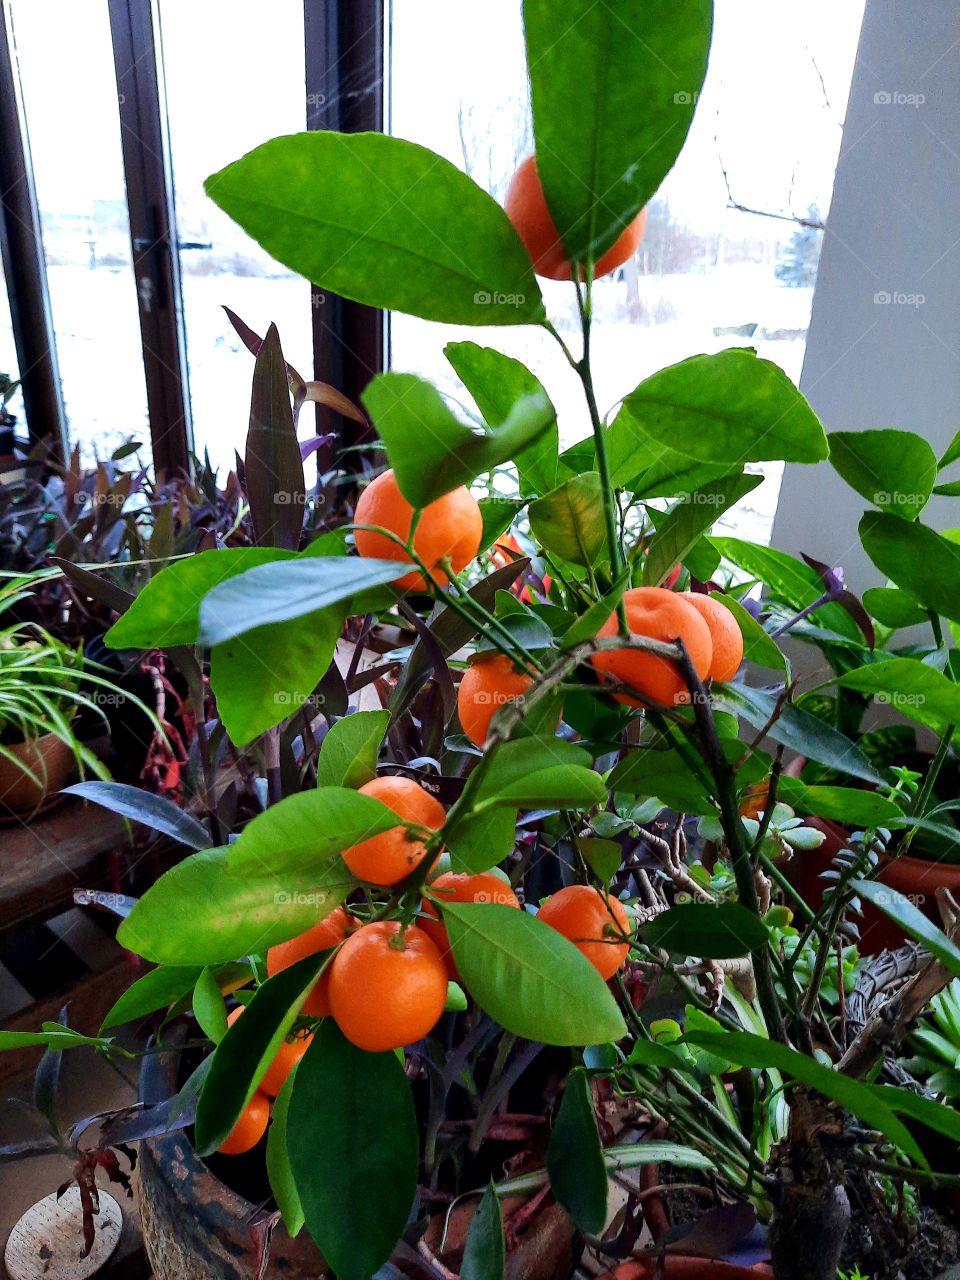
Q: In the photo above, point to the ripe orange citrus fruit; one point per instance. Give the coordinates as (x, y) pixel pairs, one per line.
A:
(526, 207)
(457, 886)
(287, 1057)
(387, 991)
(661, 615)
(725, 633)
(250, 1127)
(755, 800)
(390, 857)
(451, 527)
(326, 933)
(487, 686)
(593, 923)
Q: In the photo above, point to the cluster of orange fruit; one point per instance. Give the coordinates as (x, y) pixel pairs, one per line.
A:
(386, 985)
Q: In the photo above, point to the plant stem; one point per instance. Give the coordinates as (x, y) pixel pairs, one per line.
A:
(922, 802)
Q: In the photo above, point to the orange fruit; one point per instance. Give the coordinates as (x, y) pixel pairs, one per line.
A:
(451, 527)
(250, 1127)
(592, 922)
(487, 685)
(526, 207)
(326, 933)
(725, 633)
(457, 886)
(661, 615)
(755, 800)
(287, 1057)
(390, 857)
(384, 992)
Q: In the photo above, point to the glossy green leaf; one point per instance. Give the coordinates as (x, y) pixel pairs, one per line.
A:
(928, 1111)
(278, 1160)
(481, 841)
(758, 646)
(661, 773)
(895, 470)
(893, 607)
(588, 624)
(529, 978)
(198, 913)
(915, 689)
(757, 1052)
(247, 1049)
(602, 856)
(912, 921)
(641, 61)
(208, 1008)
(688, 520)
(484, 1253)
(532, 772)
(384, 222)
(723, 931)
(575, 1163)
(925, 564)
(728, 409)
(355, 1111)
(569, 522)
(348, 755)
(839, 804)
(156, 812)
(498, 515)
(644, 466)
(157, 989)
(951, 453)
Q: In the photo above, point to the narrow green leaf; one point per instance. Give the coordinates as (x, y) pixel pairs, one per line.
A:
(484, 1253)
(273, 466)
(912, 921)
(575, 1163)
(758, 647)
(839, 804)
(588, 624)
(348, 756)
(279, 1170)
(158, 989)
(156, 812)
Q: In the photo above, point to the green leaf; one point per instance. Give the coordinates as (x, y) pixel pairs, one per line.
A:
(722, 932)
(498, 515)
(893, 607)
(166, 613)
(951, 489)
(688, 520)
(652, 772)
(278, 1160)
(529, 978)
(208, 1007)
(430, 449)
(800, 731)
(348, 756)
(280, 592)
(913, 922)
(157, 989)
(603, 857)
(637, 61)
(933, 1114)
(924, 563)
(952, 452)
(642, 465)
(759, 1053)
(484, 1253)
(531, 772)
(306, 832)
(915, 689)
(247, 1049)
(588, 624)
(274, 469)
(357, 1110)
(839, 804)
(758, 646)
(526, 627)
(156, 812)
(575, 1164)
(728, 409)
(480, 841)
(569, 521)
(198, 913)
(384, 222)
(895, 470)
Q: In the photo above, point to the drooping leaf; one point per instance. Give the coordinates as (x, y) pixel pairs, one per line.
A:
(575, 1163)
(923, 563)
(723, 931)
(273, 468)
(157, 989)
(638, 62)
(915, 689)
(569, 521)
(688, 520)
(385, 222)
(895, 470)
(893, 607)
(208, 1008)
(156, 812)
(529, 978)
(484, 1252)
(912, 921)
(602, 856)
(430, 449)
(348, 756)
(278, 1161)
(357, 1109)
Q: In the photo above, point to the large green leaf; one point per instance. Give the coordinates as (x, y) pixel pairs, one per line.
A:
(481, 841)
(755, 1051)
(915, 689)
(728, 409)
(652, 772)
(688, 520)
(166, 613)
(721, 932)
(575, 1163)
(643, 465)
(893, 607)
(529, 978)
(484, 1253)
(155, 812)
(348, 756)
(428, 446)
(385, 222)
(352, 1140)
(498, 382)
(913, 922)
(614, 89)
(923, 563)
(839, 804)
(895, 470)
(198, 913)
(305, 832)
(569, 520)
(531, 772)
(247, 1049)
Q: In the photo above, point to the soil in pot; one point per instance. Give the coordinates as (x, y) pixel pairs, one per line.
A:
(48, 758)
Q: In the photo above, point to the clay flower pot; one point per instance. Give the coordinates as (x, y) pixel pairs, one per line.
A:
(685, 1267)
(50, 759)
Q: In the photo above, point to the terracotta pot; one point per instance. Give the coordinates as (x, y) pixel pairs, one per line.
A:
(688, 1268)
(47, 757)
(193, 1224)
